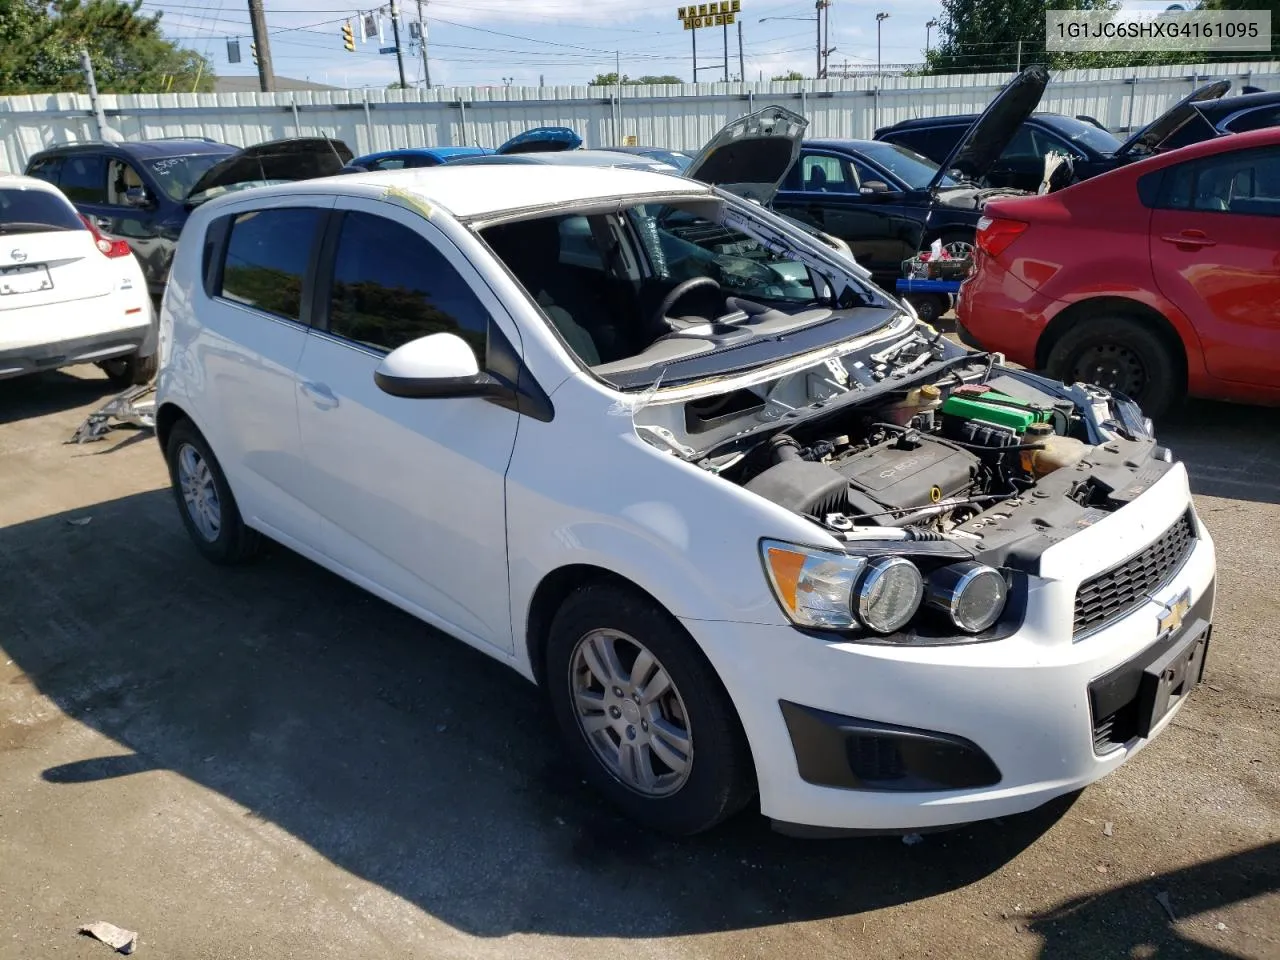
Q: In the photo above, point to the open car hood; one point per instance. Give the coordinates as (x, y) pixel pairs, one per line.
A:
(1149, 138)
(983, 143)
(751, 155)
(298, 158)
(541, 140)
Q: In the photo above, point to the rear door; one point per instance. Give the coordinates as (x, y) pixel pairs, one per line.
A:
(1215, 253)
(84, 181)
(47, 256)
(411, 493)
(256, 325)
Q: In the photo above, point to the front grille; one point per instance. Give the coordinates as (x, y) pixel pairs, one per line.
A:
(1126, 586)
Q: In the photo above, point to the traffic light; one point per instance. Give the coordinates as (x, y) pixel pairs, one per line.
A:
(253, 51)
(348, 38)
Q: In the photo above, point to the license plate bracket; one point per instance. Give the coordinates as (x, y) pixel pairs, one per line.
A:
(25, 279)
(1169, 678)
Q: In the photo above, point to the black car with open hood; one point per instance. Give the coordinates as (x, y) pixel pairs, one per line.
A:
(1092, 148)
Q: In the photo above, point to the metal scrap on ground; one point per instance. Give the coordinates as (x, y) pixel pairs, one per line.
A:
(136, 407)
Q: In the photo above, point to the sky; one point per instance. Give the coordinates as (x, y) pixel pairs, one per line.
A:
(492, 42)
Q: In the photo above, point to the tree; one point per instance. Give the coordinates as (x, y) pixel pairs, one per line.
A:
(982, 36)
(791, 75)
(611, 80)
(42, 43)
(1272, 5)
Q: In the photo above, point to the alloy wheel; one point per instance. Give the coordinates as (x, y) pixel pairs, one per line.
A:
(631, 713)
(199, 492)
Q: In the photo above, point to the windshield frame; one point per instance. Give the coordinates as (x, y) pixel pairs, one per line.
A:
(840, 275)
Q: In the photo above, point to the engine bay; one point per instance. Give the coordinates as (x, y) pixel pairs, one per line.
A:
(917, 439)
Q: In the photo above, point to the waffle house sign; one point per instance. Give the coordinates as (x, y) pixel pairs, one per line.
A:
(720, 14)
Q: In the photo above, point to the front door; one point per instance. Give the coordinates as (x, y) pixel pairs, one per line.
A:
(139, 226)
(411, 493)
(1215, 253)
(824, 189)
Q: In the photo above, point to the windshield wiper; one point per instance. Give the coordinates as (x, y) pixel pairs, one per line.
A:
(30, 227)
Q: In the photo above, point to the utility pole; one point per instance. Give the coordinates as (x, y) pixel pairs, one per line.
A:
(826, 38)
(395, 32)
(928, 28)
(422, 25)
(817, 16)
(1019, 69)
(693, 35)
(258, 20)
(617, 66)
(100, 118)
(880, 19)
(725, 28)
(742, 62)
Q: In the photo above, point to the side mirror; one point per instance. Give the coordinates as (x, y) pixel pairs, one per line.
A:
(137, 197)
(439, 365)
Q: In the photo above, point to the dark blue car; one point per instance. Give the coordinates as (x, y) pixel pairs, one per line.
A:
(415, 157)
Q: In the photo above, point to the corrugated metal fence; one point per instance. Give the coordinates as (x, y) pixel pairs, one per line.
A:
(681, 117)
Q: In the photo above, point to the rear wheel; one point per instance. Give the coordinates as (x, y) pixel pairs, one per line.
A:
(1120, 354)
(131, 371)
(643, 712)
(208, 509)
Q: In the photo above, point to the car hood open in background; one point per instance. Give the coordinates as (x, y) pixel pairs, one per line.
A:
(984, 142)
(750, 156)
(1148, 139)
(297, 158)
(541, 140)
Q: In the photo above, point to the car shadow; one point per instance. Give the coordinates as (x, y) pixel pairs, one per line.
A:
(1133, 921)
(1231, 450)
(396, 753)
(23, 398)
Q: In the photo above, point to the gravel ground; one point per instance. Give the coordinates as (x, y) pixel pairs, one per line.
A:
(267, 762)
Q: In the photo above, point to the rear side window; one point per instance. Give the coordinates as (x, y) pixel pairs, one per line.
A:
(1244, 182)
(84, 178)
(936, 143)
(267, 257)
(27, 211)
(390, 286)
(46, 169)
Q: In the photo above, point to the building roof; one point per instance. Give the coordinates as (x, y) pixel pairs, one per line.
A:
(251, 84)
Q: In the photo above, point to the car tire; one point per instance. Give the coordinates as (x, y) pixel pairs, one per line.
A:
(677, 799)
(214, 523)
(130, 371)
(1121, 354)
(929, 307)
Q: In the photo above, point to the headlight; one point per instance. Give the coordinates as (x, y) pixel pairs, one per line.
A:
(817, 588)
(813, 587)
(971, 594)
(889, 594)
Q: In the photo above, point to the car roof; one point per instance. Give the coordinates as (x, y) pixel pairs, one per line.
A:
(572, 158)
(143, 149)
(952, 118)
(1224, 107)
(470, 191)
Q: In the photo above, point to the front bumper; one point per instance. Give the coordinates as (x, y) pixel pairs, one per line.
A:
(1025, 704)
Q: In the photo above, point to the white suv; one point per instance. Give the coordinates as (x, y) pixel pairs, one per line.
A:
(751, 526)
(68, 295)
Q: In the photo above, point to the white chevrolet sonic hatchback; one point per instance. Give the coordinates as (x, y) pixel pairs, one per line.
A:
(751, 526)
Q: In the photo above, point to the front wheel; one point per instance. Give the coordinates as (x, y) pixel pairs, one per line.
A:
(643, 712)
(1120, 354)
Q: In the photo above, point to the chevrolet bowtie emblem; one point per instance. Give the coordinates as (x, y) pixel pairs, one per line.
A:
(1174, 613)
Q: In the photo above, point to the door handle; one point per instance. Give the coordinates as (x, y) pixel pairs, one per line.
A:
(319, 394)
(1190, 240)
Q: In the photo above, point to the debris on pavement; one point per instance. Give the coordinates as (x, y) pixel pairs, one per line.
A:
(136, 407)
(1220, 925)
(911, 839)
(1107, 828)
(80, 521)
(1162, 898)
(123, 941)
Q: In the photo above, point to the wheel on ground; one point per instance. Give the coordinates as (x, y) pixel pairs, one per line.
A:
(643, 712)
(131, 371)
(1120, 354)
(208, 509)
(929, 307)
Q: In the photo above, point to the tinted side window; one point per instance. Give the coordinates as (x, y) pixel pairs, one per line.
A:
(1255, 120)
(388, 163)
(1245, 182)
(46, 169)
(267, 256)
(390, 286)
(84, 178)
(936, 143)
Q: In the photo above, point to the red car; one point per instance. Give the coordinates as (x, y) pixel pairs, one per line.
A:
(1158, 280)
